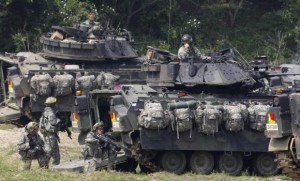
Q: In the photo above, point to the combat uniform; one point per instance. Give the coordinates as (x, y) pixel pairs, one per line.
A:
(184, 53)
(98, 149)
(49, 124)
(189, 51)
(31, 146)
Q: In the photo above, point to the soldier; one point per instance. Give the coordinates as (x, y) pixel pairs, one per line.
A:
(31, 146)
(90, 22)
(50, 125)
(187, 50)
(98, 147)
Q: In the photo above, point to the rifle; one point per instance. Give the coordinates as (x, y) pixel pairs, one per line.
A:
(63, 127)
(112, 142)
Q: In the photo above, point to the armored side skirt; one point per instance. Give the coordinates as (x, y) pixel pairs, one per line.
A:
(246, 141)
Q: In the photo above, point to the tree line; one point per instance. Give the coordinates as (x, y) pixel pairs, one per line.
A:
(254, 27)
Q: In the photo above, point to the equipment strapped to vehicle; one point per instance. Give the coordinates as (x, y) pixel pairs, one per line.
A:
(63, 84)
(257, 116)
(152, 117)
(234, 116)
(208, 119)
(42, 84)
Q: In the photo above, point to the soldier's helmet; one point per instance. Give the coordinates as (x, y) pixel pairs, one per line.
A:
(186, 39)
(50, 101)
(98, 125)
(92, 16)
(32, 126)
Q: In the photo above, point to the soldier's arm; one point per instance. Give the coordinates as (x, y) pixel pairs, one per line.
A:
(181, 53)
(91, 139)
(23, 144)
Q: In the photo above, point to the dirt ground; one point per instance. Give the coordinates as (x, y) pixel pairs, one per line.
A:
(10, 137)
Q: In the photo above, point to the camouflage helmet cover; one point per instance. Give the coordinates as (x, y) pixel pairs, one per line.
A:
(50, 100)
(186, 38)
(32, 126)
(98, 125)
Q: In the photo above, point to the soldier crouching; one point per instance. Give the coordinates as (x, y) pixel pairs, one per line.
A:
(31, 146)
(98, 148)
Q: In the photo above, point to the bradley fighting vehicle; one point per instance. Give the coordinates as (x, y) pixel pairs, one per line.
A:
(283, 129)
(74, 59)
(193, 114)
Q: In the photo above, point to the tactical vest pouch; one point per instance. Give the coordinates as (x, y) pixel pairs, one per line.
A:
(257, 117)
(152, 117)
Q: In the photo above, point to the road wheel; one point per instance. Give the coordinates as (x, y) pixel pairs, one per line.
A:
(231, 164)
(173, 161)
(202, 162)
(265, 165)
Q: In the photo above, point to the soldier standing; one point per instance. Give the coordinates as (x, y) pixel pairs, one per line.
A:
(187, 50)
(50, 125)
(31, 146)
(97, 148)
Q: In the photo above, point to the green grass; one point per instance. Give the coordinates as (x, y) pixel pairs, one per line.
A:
(7, 126)
(10, 170)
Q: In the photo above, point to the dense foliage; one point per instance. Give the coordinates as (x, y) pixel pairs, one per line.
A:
(254, 27)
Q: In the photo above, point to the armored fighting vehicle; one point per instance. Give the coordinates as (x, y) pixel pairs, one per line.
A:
(193, 114)
(74, 59)
(283, 129)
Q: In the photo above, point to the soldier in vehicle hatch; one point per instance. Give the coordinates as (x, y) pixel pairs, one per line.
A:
(187, 50)
(49, 127)
(90, 22)
(98, 147)
(31, 146)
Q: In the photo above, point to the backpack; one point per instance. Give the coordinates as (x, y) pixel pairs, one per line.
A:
(63, 84)
(257, 117)
(152, 117)
(234, 117)
(42, 84)
(208, 120)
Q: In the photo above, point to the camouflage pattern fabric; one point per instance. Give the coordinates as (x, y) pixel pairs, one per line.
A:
(85, 83)
(49, 124)
(98, 150)
(106, 80)
(184, 53)
(152, 117)
(42, 84)
(32, 147)
(63, 84)
(234, 117)
(208, 119)
(257, 116)
(52, 148)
